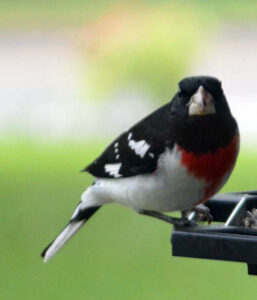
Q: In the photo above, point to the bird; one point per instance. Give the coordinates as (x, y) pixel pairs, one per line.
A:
(174, 159)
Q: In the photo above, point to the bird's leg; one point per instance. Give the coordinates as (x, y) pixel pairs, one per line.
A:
(174, 221)
(204, 213)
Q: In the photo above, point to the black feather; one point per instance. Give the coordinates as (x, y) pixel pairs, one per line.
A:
(170, 125)
(154, 130)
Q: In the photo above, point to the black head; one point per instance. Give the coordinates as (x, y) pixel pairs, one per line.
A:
(201, 117)
(199, 96)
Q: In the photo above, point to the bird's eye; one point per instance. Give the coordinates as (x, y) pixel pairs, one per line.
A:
(179, 93)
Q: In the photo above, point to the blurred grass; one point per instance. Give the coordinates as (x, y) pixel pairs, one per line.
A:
(73, 13)
(118, 255)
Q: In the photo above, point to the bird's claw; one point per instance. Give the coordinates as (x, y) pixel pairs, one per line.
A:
(204, 213)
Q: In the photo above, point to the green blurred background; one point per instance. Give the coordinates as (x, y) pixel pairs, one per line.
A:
(73, 75)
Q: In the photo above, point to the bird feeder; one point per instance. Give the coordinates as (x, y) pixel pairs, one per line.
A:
(235, 239)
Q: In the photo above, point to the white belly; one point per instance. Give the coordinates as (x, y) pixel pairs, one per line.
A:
(170, 188)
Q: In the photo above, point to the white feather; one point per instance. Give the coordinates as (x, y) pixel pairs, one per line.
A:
(61, 239)
(170, 188)
(139, 147)
(151, 154)
(130, 136)
(113, 169)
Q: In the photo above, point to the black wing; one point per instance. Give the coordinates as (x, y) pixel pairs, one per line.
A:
(137, 150)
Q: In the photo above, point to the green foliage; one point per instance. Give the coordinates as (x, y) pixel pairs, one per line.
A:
(68, 13)
(141, 44)
(117, 255)
(149, 51)
(149, 47)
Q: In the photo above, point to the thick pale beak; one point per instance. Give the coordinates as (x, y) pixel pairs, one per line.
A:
(201, 103)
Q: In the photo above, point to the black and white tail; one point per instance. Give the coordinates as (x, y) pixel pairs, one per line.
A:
(78, 219)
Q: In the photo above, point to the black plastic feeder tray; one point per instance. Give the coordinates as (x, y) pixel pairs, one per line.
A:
(230, 241)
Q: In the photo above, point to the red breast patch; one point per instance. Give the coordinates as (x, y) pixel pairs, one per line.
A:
(212, 167)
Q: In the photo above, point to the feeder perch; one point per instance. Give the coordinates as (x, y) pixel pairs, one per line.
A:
(234, 240)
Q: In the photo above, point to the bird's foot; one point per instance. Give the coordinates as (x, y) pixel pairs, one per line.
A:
(182, 222)
(174, 221)
(203, 213)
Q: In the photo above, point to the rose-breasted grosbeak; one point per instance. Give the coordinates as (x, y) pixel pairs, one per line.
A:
(172, 160)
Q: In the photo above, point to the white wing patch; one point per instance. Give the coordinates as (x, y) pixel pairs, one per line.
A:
(151, 154)
(116, 150)
(139, 147)
(113, 169)
(129, 136)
